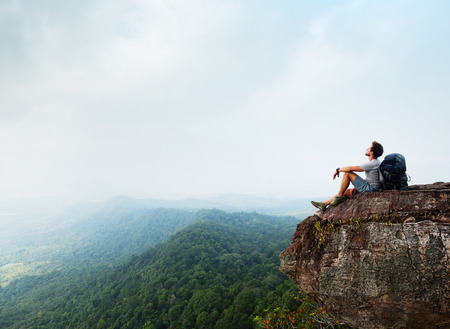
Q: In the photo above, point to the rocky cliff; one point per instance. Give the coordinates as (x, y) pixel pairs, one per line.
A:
(378, 260)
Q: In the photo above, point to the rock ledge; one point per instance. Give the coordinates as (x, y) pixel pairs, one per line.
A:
(378, 260)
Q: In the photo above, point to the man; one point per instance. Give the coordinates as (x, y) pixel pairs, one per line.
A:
(370, 184)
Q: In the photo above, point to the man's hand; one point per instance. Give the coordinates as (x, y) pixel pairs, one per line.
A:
(336, 174)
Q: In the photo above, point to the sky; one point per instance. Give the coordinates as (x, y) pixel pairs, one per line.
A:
(178, 98)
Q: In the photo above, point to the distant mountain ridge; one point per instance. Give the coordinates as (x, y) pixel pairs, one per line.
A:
(37, 243)
(227, 202)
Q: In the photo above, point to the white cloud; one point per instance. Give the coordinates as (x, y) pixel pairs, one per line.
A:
(148, 97)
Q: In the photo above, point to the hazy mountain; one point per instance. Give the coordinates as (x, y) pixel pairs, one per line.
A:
(98, 238)
(40, 235)
(227, 202)
(217, 272)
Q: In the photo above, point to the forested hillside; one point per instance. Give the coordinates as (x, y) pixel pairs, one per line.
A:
(219, 272)
(86, 237)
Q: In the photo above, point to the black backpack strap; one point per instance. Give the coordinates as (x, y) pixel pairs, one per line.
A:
(381, 178)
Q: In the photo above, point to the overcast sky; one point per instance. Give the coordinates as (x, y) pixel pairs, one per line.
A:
(175, 98)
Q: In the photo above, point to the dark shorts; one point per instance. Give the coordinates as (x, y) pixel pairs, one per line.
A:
(362, 186)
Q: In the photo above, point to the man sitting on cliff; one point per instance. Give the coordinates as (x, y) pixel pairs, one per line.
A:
(370, 184)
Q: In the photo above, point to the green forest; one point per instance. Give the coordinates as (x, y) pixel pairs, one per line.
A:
(219, 271)
(83, 237)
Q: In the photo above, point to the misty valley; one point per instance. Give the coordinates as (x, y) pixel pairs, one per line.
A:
(126, 264)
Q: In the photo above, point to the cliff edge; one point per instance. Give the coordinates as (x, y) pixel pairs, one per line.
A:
(378, 260)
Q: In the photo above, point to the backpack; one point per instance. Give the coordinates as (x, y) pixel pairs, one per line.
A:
(392, 172)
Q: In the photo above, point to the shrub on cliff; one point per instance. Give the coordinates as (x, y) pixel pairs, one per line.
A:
(300, 313)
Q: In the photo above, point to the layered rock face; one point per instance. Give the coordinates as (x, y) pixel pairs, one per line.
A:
(378, 260)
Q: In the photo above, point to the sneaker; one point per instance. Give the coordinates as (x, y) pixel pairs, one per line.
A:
(337, 200)
(322, 206)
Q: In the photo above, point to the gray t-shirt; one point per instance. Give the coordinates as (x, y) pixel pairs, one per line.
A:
(371, 170)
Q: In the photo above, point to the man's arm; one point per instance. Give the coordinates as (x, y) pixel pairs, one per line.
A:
(346, 169)
(350, 168)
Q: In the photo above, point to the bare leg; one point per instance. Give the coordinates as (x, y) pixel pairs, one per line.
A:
(344, 190)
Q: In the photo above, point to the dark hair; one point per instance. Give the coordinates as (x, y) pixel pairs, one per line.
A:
(377, 149)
